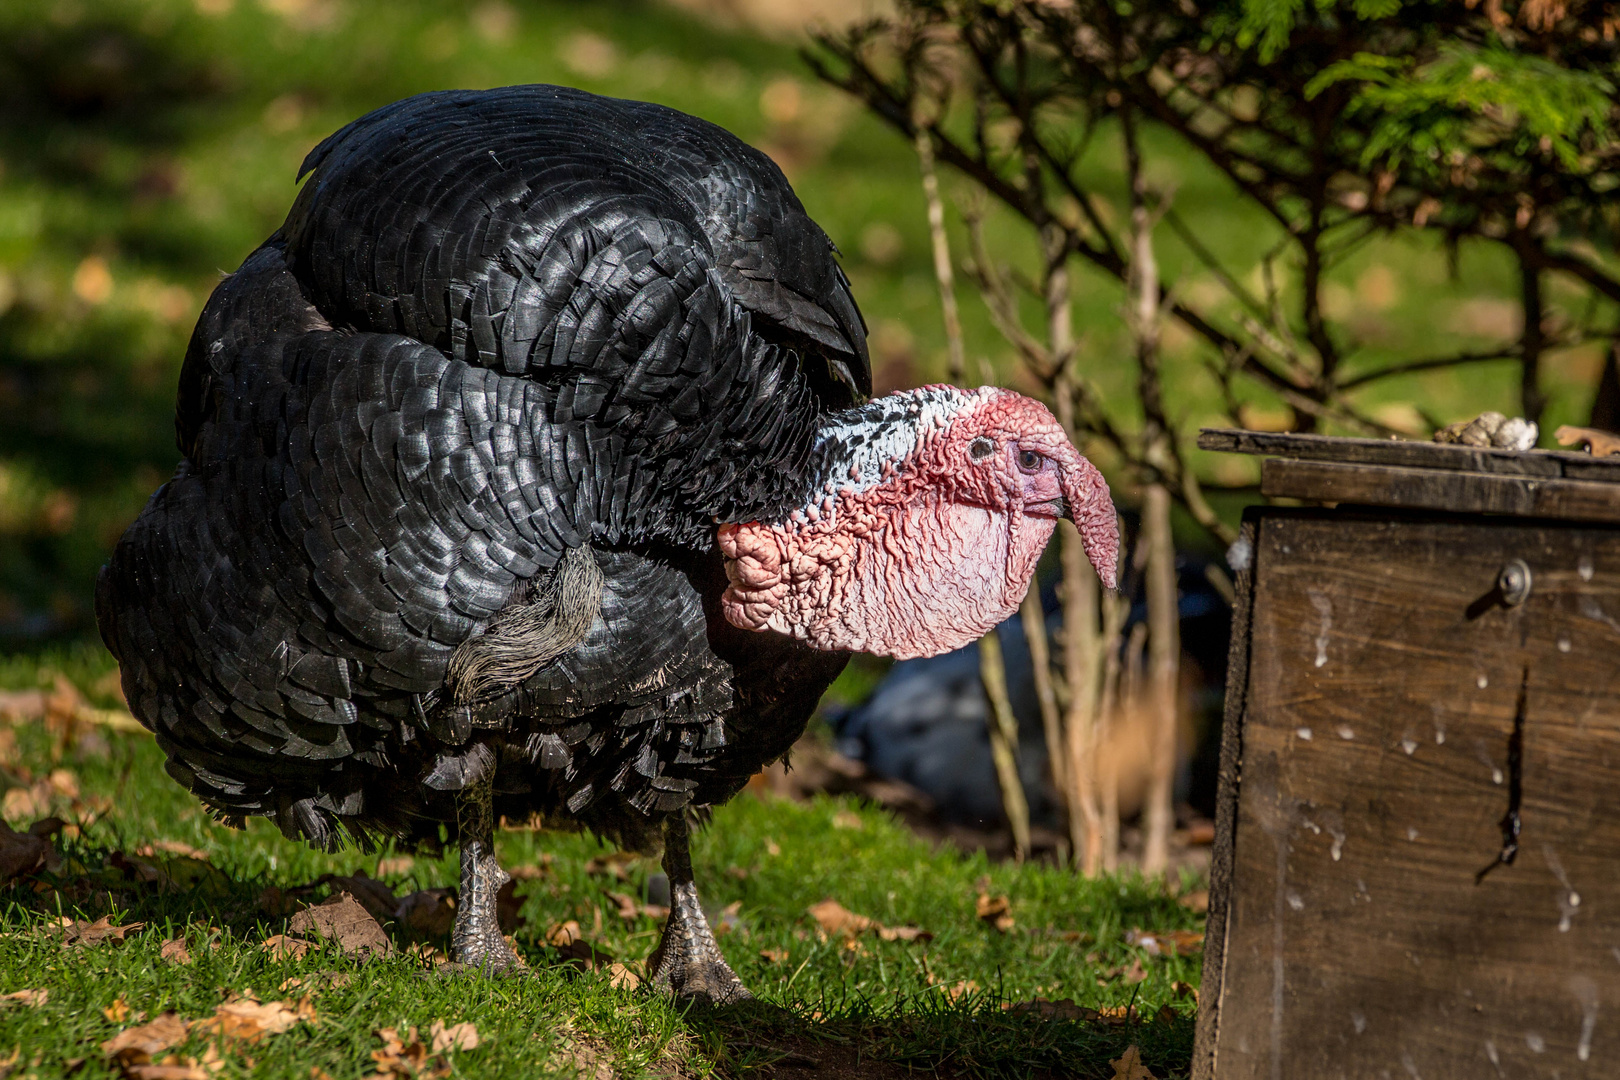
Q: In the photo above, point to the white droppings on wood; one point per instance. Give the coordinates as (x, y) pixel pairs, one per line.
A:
(1240, 555)
(1563, 644)
(1569, 901)
(1586, 992)
(1411, 833)
(1324, 608)
(1410, 745)
(1535, 1042)
(1482, 682)
(1358, 1021)
(1296, 901)
(1304, 733)
(1346, 732)
(1584, 567)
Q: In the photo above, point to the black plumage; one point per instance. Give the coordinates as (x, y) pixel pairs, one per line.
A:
(496, 328)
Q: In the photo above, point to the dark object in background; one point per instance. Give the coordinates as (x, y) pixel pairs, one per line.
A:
(925, 722)
(1418, 832)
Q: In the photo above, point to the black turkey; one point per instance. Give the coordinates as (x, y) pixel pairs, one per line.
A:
(527, 469)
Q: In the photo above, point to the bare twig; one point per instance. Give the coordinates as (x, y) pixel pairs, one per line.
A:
(1003, 730)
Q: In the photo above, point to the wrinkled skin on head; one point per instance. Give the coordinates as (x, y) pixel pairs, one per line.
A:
(938, 547)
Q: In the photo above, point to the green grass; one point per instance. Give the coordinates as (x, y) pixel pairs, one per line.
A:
(904, 1004)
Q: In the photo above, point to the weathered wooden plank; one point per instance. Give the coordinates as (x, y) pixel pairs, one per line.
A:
(1411, 454)
(1383, 686)
(1436, 489)
(1241, 557)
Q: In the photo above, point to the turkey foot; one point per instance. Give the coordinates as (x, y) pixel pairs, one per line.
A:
(687, 960)
(475, 940)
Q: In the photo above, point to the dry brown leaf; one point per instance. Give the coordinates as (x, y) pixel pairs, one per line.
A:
(97, 933)
(568, 939)
(962, 989)
(615, 864)
(406, 1058)
(172, 847)
(1166, 942)
(463, 1036)
(563, 934)
(1196, 901)
(1130, 1067)
(995, 910)
(622, 977)
(1062, 1009)
(117, 1012)
(321, 980)
(249, 1021)
(31, 999)
(835, 918)
(774, 956)
(904, 933)
(23, 853)
(378, 899)
(429, 912)
(848, 819)
(530, 872)
(342, 919)
(1184, 990)
(1598, 443)
(1116, 1015)
(175, 952)
(772, 848)
(282, 947)
(138, 1045)
(630, 909)
(398, 866)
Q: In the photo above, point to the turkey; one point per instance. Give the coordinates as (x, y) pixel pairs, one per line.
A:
(528, 469)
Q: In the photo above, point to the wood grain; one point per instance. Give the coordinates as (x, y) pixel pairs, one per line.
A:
(1382, 684)
(1410, 453)
(1436, 489)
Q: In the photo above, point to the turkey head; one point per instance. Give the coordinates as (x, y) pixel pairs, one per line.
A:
(927, 514)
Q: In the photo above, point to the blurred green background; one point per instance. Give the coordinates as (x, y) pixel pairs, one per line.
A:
(146, 146)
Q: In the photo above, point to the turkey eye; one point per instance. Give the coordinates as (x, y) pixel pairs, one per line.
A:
(1029, 460)
(981, 448)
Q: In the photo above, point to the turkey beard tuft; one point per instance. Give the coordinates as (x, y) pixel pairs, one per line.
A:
(930, 557)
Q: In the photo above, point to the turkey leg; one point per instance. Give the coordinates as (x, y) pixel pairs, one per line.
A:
(687, 960)
(476, 940)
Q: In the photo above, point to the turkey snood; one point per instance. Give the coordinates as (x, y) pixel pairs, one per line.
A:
(927, 513)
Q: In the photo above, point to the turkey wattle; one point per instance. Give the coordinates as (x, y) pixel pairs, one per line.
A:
(527, 469)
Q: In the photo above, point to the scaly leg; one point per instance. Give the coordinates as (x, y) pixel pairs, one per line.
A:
(687, 960)
(476, 939)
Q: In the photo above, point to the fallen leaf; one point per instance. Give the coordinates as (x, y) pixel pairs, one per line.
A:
(99, 932)
(615, 864)
(117, 1012)
(1116, 1015)
(630, 909)
(1166, 942)
(378, 899)
(463, 1036)
(138, 1045)
(1166, 1014)
(1184, 990)
(172, 847)
(174, 951)
(904, 933)
(1130, 1067)
(1062, 1009)
(398, 866)
(22, 705)
(1597, 442)
(965, 988)
(995, 910)
(282, 947)
(848, 819)
(249, 1021)
(32, 999)
(774, 956)
(22, 853)
(568, 939)
(1197, 901)
(563, 934)
(342, 919)
(622, 977)
(772, 848)
(835, 919)
(429, 912)
(321, 980)
(406, 1058)
(531, 872)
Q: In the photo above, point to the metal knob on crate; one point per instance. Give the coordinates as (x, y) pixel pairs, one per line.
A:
(1514, 582)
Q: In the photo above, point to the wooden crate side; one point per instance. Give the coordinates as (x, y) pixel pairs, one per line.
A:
(1382, 694)
(1434, 489)
(1241, 555)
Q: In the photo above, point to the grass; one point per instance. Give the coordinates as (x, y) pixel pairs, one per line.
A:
(929, 1005)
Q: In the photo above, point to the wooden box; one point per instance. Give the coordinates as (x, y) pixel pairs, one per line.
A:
(1417, 861)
